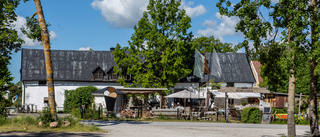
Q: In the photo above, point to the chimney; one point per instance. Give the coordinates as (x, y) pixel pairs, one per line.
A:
(112, 49)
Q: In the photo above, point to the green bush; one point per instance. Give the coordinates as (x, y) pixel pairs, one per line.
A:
(80, 96)
(2, 121)
(279, 110)
(72, 121)
(3, 104)
(46, 117)
(250, 115)
(279, 122)
(92, 114)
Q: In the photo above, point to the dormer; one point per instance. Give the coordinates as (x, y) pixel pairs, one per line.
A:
(98, 74)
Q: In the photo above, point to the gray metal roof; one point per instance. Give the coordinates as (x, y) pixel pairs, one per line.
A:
(68, 65)
(235, 68)
(74, 65)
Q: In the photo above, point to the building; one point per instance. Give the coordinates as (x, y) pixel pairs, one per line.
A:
(256, 69)
(73, 69)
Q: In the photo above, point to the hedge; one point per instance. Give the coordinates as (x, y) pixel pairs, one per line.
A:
(250, 115)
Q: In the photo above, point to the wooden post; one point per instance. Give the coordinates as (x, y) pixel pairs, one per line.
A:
(217, 114)
(299, 106)
(226, 108)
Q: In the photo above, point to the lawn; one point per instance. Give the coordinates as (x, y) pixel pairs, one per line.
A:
(30, 124)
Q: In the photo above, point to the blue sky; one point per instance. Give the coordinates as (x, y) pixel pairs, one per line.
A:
(101, 24)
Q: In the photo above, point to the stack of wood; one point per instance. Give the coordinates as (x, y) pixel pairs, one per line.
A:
(128, 114)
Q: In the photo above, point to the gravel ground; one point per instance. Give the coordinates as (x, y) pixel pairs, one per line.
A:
(174, 129)
(194, 129)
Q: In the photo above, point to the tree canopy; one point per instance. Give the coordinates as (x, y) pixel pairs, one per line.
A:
(9, 40)
(159, 50)
(208, 43)
(297, 19)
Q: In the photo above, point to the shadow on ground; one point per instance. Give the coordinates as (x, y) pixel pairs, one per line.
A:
(110, 123)
(23, 134)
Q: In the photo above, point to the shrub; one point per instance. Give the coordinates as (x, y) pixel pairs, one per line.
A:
(279, 110)
(3, 104)
(72, 121)
(250, 115)
(80, 96)
(46, 117)
(2, 121)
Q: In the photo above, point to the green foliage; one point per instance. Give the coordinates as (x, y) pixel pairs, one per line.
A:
(72, 121)
(33, 30)
(250, 115)
(3, 104)
(92, 114)
(46, 117)
(212, 84)
(243, 103)
(276, 57)
(279, 110)
(208, 43)
(163, 117)
(14, 91)
(159, 51)
(2, 121)
(301, 121)
(80, 96)
(9, 41)
(279, 122)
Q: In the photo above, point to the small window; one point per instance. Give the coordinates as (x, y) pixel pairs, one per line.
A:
(98, 74)
(230, 84)
(42, 82)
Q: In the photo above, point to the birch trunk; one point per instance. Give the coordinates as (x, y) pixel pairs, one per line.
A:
(291, 91)
(46, 47)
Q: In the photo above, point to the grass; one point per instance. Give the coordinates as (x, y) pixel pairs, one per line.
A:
(168, 119)
(30, 124)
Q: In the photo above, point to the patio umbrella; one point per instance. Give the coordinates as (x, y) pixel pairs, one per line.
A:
(184, 94)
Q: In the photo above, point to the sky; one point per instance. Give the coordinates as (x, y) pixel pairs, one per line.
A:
(101, 24)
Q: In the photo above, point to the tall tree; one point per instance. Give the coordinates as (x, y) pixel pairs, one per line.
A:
(9, 40)
(46, 48)
(159, 51)
(38, 31)
(314, 50)
(288, 15)
(208, 43)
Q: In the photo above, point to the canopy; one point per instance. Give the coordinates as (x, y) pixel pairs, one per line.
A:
(231, 96)
(236, 95)
(184, 94)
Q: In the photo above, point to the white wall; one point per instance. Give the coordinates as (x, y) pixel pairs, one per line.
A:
(34, 93)
(243, 84)
(100, 100)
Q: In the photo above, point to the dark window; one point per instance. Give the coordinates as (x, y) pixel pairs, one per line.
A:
(98, 75)
(230, 84)
(42, 82)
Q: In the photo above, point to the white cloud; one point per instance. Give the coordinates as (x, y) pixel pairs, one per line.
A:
(127, 13)
(85, 48)
(275, 1)
(209, 23)
(226, 27)
(121, 13)
(192, 12)
(21, 21)
(53, 35)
